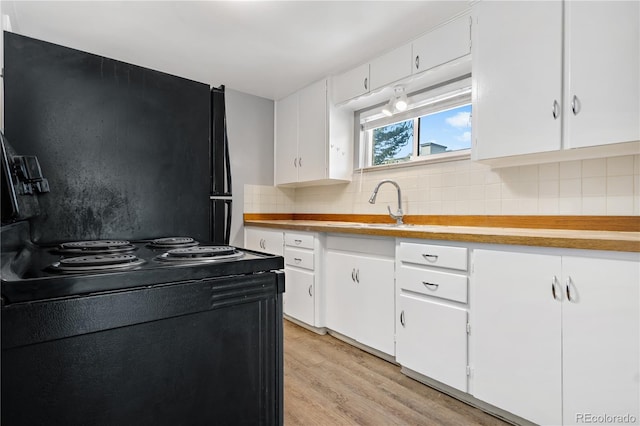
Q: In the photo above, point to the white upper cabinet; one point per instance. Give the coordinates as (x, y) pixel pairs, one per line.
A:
(351, 84)
(286, 137)
(442, 45)
(312, 139)
(312, 132)
(603, 72)
(446, 43)
(390, 67)
(518, 59)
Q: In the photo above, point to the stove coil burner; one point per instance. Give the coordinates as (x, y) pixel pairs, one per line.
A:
(172, 243)
(200, 254)
(97, 263)
(95, 247)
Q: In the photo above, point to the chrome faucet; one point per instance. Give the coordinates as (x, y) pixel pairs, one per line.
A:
(399, 214)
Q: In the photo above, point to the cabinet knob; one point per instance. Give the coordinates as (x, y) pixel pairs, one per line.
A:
(555, 109)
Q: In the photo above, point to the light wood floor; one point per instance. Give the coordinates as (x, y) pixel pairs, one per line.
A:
(329, 382)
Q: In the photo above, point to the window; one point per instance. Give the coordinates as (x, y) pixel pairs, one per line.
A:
(436, 125)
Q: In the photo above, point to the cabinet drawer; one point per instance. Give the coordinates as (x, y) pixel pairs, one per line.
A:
(433, 283)
(298, 258)
(299, 240)
(432, 255)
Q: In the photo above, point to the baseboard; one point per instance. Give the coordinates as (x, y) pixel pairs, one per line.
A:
(317, 330)
(467, 398)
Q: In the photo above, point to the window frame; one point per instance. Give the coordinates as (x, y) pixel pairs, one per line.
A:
(434, 99)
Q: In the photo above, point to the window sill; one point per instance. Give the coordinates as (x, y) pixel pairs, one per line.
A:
(432, 159)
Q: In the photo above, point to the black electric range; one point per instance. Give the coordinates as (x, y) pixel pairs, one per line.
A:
(30, 272)
(140, 332)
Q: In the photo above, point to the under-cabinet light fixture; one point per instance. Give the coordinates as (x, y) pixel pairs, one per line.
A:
(397, 103)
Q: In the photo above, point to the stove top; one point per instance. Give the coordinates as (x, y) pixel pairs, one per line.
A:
(33, 272)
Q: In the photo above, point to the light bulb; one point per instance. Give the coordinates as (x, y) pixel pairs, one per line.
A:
(388, 109)
(401, 104)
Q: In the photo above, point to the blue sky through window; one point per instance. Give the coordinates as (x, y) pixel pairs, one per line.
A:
(442, 131)
(451, 128)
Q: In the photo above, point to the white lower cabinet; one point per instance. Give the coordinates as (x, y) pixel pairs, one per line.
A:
(431, 324)
(298, 296)
(360, 291)
(556, 338)
(265, 240)
(302, 277)
(432, 340)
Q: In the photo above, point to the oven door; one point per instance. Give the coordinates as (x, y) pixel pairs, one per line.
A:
(213, 355)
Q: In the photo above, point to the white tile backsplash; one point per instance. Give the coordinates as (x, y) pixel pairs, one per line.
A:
(608, 186)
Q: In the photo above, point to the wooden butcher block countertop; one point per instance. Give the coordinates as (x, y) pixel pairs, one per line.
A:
(612, 233)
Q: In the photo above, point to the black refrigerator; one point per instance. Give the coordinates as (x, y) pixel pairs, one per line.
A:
(220, 195)
(125, 142)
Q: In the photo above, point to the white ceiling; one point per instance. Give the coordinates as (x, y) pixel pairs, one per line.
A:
(265, 48)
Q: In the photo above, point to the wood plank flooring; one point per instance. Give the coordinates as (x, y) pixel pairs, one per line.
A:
(329, 382)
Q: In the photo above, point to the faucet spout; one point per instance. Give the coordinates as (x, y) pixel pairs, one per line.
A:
(399, 214)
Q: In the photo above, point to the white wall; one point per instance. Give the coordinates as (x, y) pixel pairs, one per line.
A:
(250, 131)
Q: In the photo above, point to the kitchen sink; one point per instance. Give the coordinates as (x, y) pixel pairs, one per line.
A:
(382, 225)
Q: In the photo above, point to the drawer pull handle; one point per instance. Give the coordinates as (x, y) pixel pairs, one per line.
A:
(353, 275)
(297, 241)
(358, 276)
(310, 295)
(431, 286)
(430, 257)
(297, 259)
(402, 318)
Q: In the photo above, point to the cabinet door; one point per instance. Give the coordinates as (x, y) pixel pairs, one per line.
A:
(601, 329)
(312, 132)
(265, 240)
(516, 334)
(602, 67)
(390, 67)
(350, 84)
(432, 340)
(286, 140)
(298, 297)
(375, 303)
(442, 45)
(340, 290)
(517, 73)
